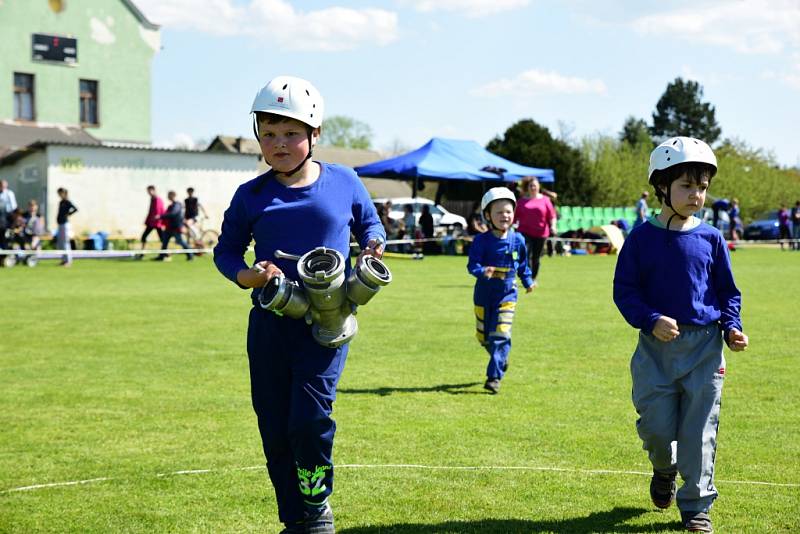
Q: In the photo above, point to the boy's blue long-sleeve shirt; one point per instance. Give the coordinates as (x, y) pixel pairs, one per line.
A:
(685, 275)
(506, 253)
(296, 219)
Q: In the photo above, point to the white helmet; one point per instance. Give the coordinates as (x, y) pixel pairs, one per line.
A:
(291, 97)
(680, 150)
(497, 193)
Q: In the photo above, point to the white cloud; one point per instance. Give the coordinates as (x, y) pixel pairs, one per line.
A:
(330, 29)
(752, 26)
(469, 8)
(536, 82)
(791, 76)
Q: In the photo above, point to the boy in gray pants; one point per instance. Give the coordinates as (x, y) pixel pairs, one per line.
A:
(673, 281)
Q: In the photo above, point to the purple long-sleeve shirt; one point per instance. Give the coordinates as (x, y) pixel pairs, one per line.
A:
(685, 275)
(296, 219)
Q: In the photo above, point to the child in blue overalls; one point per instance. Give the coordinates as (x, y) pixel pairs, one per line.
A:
(496, 258)
(674, 283)
(297, 206)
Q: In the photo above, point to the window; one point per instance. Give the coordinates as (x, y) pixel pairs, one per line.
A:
(88, 90)
(23, 97)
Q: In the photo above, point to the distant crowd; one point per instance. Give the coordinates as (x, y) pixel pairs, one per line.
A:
(24, 229)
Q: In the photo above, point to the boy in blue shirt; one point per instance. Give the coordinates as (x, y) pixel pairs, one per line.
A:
(496, 258)
(674, 283)
(297, 206)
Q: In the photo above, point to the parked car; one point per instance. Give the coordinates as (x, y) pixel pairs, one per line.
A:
(765, 227)
(706, 214)
(443, 220)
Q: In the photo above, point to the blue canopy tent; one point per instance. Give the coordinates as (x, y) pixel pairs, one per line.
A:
(452, 159)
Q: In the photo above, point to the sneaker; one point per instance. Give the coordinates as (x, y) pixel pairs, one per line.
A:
(293, 528)
(505, 366)
(493, 385)
(320, 522)
(662, 489)
(696, 522)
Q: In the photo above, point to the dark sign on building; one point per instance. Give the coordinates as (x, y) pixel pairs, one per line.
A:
(54, 48)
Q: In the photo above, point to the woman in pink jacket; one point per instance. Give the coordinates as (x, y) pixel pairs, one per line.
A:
(536, 218)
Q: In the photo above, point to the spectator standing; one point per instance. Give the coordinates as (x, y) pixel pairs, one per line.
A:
(426, 225)
(536, 218)
(796, 225)
(8, 203)
(735, 220)
(719, 205)
(153, 220)
(410, 225)
(641, 209)
(65, 210)
(173, 222)
(784, 233)
(673, 282)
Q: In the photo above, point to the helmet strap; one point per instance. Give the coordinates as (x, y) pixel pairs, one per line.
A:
(675, 213)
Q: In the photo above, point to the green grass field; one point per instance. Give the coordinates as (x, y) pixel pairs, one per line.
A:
(132, 372)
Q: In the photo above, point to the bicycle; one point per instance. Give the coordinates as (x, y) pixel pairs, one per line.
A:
(198, 236)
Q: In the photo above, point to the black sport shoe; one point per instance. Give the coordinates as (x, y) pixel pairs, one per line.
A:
(294, 528)
(320, 522)
(696, 522)
(505, 366)
(662, 489)
(493, 385)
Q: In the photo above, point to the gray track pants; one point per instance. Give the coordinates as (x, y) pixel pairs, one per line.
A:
(676, 391)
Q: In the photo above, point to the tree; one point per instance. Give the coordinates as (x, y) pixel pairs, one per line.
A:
(680, 111)
(345, 132)
(635, 132)
(529, 143)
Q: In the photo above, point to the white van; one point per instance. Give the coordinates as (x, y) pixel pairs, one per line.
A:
(443, 220)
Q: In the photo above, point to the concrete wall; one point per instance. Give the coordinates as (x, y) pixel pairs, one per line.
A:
(114, 48)
(108, 185)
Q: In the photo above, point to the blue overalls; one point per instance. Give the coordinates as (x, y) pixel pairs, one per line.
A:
(495, 298)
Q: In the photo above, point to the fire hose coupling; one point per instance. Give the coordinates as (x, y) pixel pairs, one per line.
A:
(325, 299)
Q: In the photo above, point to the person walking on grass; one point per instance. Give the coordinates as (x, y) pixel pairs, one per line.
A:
(496, 258)
(153, 220)
(173, 227)
(537, 221)
(300, 204)
(673, 282)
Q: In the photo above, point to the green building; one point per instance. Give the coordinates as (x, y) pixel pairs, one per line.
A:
(77, 63)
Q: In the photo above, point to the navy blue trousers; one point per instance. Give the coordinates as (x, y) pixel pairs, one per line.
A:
(293, 386)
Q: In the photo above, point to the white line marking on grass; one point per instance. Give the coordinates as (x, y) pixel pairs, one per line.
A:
(415, 466)
(57, 484)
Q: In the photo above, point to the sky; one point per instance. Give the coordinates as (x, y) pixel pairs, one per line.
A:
(469, 69)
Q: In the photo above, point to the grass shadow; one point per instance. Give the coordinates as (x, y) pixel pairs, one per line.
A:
(596, 522)
(452, 389)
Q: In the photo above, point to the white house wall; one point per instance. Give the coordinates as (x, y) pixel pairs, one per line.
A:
(108, 185)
